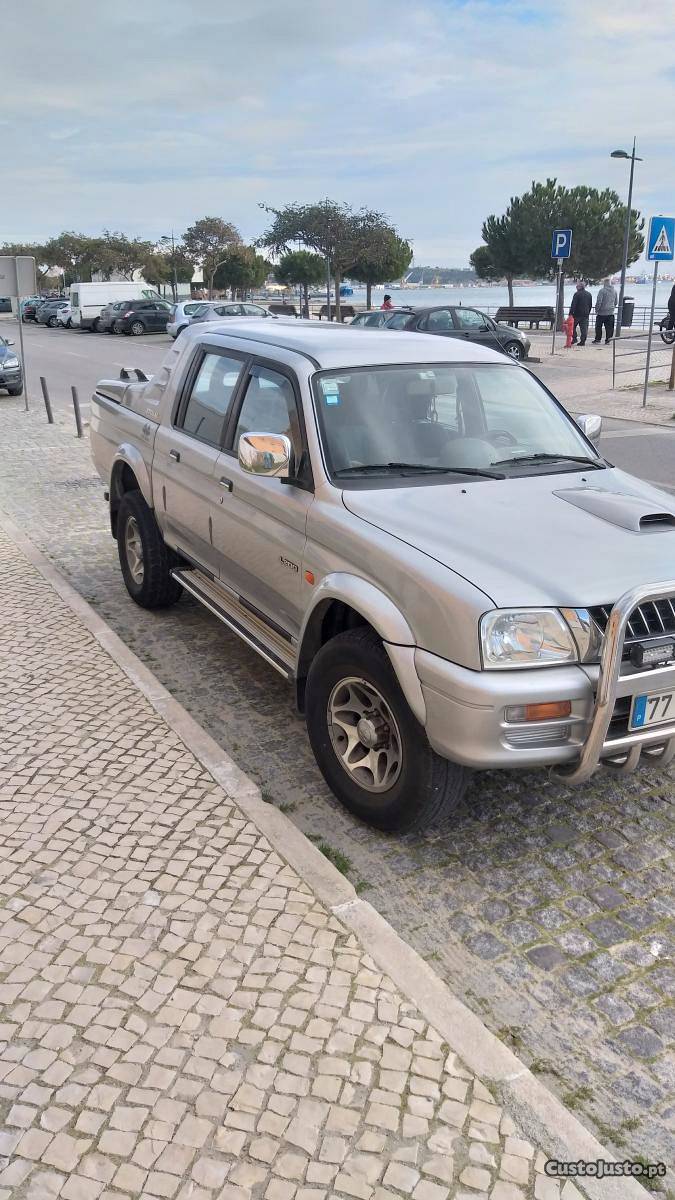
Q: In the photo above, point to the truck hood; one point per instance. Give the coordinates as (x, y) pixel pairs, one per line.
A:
(575, 539)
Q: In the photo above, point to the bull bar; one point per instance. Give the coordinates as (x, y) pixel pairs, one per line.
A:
(629, 747)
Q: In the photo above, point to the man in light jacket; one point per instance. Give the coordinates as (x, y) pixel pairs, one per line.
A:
(605, 303)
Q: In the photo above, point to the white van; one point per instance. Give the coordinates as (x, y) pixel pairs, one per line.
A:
(87, 299)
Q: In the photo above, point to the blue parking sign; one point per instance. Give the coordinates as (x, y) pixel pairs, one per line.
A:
(561, 245)
(661, 239)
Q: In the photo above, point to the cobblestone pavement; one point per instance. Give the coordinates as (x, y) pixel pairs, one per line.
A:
(179, 1015)
(549, 911)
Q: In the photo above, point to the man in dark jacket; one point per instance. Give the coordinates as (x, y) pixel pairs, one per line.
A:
(580, 309)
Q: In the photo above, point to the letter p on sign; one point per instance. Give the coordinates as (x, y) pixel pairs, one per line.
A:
(561, 246)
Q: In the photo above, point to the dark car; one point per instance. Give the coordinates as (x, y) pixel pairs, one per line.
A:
(29, 308)
(456, 321)
(142, 316)
(46, 314)
(5, 304)
(375, 318)
(11, 375)
(111, 312)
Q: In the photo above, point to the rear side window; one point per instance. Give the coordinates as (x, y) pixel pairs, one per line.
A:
(398, 322)
(209, 400)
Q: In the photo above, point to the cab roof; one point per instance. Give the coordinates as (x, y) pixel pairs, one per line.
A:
(330, 346)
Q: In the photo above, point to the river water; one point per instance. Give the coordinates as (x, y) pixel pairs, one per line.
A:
(490, 298)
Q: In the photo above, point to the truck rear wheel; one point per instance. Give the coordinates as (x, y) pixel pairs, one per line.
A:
(371, 750)
(145, 559)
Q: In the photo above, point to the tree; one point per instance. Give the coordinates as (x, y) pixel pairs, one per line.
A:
(120, 254)
(158, 267)
(240, 269)
(207, 242)
(301, 267)
(32, 250)
(331, 230)
(382, 255)
(76, 254)
(502, 254)
(484, 264)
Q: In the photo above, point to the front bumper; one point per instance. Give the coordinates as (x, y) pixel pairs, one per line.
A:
(10, 378)
(466, 710)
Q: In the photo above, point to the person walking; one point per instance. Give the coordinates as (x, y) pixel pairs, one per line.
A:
(580, 309)
(605, 303)
(386, 303)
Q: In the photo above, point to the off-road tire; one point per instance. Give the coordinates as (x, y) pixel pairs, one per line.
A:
(158, 589)
(427, 787)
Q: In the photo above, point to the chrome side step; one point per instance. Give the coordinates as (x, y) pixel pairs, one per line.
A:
(225, 605)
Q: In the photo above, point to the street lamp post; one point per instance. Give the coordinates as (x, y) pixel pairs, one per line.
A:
(626, 236)
(174, 285)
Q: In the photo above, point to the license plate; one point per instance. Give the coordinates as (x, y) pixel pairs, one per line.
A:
(653, 709)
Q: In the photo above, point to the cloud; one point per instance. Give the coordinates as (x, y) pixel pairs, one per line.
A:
(434, 112)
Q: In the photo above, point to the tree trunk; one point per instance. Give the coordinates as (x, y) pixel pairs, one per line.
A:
(305, 311)
(509, 284)
(337, 277)
(211, 285)
(369, 293)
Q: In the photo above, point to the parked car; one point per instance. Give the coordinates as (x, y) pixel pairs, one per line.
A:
(375, 318)
(48, 312)
(5, 304)
(143, 316)
(64, 315)
(11, 375)
(466, 324)
(110, 313)
(29, 308)
(214, 310)
(87, 299)
(415, 534)
(182, 313)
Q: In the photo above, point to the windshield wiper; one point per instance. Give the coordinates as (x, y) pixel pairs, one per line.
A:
(598, 464)
(421, 467)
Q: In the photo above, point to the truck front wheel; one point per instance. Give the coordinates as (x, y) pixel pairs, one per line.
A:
(145, 559)
(371, 750)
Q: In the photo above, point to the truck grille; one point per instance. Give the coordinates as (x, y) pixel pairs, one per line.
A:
(652, 619)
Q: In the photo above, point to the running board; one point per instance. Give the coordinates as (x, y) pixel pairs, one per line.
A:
(225, 605)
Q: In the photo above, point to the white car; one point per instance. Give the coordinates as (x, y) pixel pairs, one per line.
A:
(64, 316)
(182, 314)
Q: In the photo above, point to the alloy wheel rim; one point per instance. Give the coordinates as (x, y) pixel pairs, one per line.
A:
(514, 351)
(134, 550)
(364, 735)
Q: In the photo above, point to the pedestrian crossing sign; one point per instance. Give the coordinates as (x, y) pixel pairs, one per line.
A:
(661, 239)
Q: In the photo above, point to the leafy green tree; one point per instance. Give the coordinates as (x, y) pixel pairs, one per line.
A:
(76, 254)
(32, 250)
(207, 242)
(303, 268)
(331, 230)
(502, 255)
(241, 269)
(121, 255)
(484, 264)
(383, 256)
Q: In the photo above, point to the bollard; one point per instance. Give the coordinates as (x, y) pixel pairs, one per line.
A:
(45, 393)
(76, 406)
(671, 381)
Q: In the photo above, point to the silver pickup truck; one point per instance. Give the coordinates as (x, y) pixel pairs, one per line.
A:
(417, 536)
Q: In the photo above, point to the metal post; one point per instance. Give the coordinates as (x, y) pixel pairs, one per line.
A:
(557, 304)
(23, 357)
(328, 289)
(649, 335)
(175, 273)
(613, 362)
(671, 381)
(626, 239)
(76, 406)
(45, 393)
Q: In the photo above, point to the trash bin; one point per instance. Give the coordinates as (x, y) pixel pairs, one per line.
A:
(627, 311)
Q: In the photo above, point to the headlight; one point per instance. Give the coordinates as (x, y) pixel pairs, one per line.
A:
(534, 637)
(10, 363)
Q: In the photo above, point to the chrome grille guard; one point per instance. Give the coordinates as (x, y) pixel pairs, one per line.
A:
(630, 746)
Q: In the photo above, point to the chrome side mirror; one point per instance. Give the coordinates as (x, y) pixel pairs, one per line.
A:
(591, 425)
(266, 454)
(8, 343)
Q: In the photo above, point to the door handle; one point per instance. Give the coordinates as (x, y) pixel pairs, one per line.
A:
(225, 483)
(175, 455)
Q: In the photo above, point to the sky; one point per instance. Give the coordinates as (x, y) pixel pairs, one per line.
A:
(143, 117)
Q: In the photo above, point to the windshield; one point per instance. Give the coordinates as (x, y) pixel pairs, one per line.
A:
(443, 416)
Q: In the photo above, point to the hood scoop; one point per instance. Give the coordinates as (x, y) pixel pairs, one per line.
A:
(625, 509)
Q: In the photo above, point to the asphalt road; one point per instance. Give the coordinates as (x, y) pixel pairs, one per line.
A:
(66, 357)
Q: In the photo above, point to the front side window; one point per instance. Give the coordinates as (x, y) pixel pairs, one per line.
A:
(209, 400)
(439, 321)
(468, 318)
(434, 418)
(269, 407)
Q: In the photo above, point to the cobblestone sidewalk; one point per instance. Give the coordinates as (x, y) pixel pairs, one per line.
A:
(179, 1015)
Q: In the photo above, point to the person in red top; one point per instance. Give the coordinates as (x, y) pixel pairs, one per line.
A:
(386, 303)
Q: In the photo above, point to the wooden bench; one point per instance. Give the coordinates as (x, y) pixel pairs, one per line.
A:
(346, 310)
(282, 310)
(532, 313)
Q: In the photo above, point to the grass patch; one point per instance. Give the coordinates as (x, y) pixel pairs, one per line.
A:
(362, 886)
(337, 858)
(577, 1097)
(544, 1066)
(511, 1035)
(288, 806)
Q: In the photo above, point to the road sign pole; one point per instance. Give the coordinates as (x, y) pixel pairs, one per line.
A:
(23, 357)
(649, 338)
(557, 303)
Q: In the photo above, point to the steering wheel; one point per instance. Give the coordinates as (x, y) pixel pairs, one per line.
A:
(500, 437)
